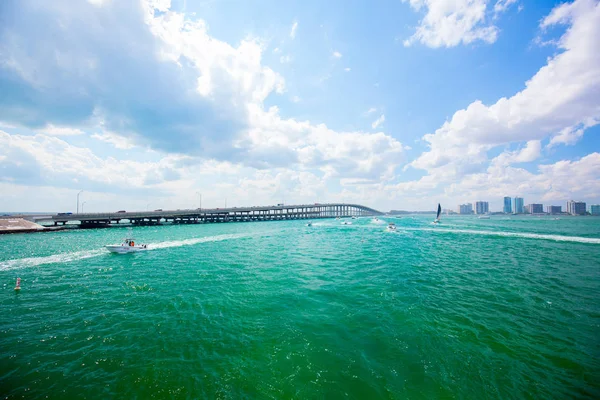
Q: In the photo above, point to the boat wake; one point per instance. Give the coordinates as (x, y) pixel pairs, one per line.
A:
(80, 255)
(556, 238)
(53, 259)
(193, 241)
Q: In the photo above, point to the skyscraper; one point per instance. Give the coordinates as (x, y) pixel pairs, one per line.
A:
(482, 207)
(576, 207)
(518, 208)
(465, 209)
(553, 209)
(595, 209)
(507, 206)
(534, 209)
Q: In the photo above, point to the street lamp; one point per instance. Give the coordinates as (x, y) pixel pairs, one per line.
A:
(147, 206)
(81, 191)
(83, 204)
(200, 200)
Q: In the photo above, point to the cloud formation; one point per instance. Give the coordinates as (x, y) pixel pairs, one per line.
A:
(145, 74)
(448, 23)
(293, 30)
(561, 99)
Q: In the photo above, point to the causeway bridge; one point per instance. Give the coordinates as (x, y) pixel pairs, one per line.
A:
(211, 215)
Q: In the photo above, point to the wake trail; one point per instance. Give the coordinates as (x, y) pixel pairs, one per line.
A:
(556, 238)
(81, 255)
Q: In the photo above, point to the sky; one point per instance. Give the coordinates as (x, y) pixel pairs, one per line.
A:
(399, 104)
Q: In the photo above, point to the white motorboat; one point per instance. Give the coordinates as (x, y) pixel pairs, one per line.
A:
(353, 217)
(391, 227)
(128, 246)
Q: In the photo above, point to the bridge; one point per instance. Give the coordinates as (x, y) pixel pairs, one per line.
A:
(235, 214)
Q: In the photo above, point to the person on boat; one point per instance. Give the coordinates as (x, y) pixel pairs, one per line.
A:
(131, 243)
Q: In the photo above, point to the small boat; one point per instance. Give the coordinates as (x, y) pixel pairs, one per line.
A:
(309, 224)
(484, 217)
(391, 227)
(346, 223)
(128, 246)
(439, 212)
(353, 217)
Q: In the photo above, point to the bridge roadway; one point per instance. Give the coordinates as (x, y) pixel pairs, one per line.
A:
(235, 214)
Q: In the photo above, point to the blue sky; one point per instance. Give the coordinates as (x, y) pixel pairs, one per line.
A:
(394, 104)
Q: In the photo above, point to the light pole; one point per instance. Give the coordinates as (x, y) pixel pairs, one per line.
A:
(200, 200)
(225, 202)
(81, 191)
(147, 206)
(83, 204)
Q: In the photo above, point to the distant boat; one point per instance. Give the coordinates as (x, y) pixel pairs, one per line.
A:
(309, 224)
(391, 227)
(128, 246)
(484, 217)
(439, 212)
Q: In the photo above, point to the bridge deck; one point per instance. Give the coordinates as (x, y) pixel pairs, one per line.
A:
(239, 214)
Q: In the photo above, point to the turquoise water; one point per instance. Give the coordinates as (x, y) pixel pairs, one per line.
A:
(471, 309)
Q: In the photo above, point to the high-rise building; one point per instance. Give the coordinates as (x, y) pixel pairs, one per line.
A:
(507, 206)
(554, 209)
(482, 207)
(518, 208)
(576, 207)
(465, 209)
(534, 208)
(595, 209)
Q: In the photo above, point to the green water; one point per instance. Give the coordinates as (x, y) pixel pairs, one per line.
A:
(471, 309)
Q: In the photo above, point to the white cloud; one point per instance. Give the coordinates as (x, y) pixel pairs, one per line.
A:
(336, 54)
(60, 130)
(371, 111)
(205, 97)
(551, 184)
(277, 142)
(530, 152)
(45, 159)
(562, 96)
(378, 122)
(285, 59)
(293, 30)
(449, 23)
(347, 69)
(568, 136)
(295, 99)
(502, 5)
(117, 141)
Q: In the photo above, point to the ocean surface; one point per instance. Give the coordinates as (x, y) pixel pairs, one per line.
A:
(505, 308)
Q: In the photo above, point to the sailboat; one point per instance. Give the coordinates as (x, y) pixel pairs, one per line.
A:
(439, 212)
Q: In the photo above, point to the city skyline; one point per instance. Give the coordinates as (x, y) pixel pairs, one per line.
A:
(518, 206)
